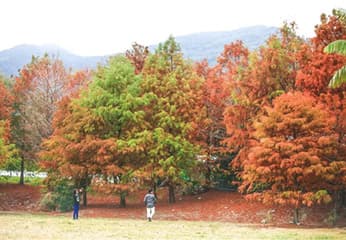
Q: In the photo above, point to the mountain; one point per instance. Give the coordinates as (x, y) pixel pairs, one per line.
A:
(13, 59)
(209, 45)
(198, 46)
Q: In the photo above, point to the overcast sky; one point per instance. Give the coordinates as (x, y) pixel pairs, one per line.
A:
(99, 27)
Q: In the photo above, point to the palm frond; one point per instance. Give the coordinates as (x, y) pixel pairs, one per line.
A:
(339, 78)
(338, 46)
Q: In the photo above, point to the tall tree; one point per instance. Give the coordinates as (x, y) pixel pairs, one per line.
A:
(174, 90)
(69, 152)
(270, 71)
(289, 162)
(97, 138)
(39, 86)
(217, 92)
(114, 96)
(317, 68)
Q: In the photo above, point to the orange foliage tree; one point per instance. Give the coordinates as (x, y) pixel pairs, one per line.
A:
(317, 68)
(289, 162)
(216, 95)
(94, 137)
(268, 72)
(71, 150)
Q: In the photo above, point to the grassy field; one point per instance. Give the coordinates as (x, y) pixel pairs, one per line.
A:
(26, 226)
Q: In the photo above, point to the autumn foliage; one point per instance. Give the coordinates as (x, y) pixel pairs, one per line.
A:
(37, 89)
(289, 163)
(293, 122)
(156, 119)
(6, 100)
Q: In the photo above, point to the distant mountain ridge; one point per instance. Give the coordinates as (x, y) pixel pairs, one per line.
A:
(197, 46)
(13, 59)
(209, 45)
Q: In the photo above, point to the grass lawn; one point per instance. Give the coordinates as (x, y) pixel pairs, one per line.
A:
(26, 226)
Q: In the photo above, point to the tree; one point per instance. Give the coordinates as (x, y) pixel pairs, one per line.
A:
(288, 164)
(69, 152)
(317, 69)
(39, 86)
(174, 91)
(95, 135)
(114, 96)
(255, 82)
(216, 95)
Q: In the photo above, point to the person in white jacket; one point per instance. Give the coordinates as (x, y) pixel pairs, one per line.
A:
(150, 201)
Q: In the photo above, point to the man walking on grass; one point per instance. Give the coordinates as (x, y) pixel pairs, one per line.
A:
(149, 201)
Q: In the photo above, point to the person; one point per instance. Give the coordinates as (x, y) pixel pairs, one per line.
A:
(150, 201)
(76, 200)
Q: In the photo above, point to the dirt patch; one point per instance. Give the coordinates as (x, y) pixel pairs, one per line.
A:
(17, 197)
(210, 206)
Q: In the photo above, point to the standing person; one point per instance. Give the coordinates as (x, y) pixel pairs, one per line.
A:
(76, 200)
(150, 201)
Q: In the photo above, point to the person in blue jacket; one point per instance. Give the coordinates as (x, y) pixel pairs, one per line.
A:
(76, 200)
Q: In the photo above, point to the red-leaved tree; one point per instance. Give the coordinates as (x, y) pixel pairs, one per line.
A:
(316, 70)
(289, 162)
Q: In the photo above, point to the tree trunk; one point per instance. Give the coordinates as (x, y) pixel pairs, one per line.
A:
(337, 206)
(296, 216)
(122, 200)
(21, 179)
(171, 194)
(154, 190)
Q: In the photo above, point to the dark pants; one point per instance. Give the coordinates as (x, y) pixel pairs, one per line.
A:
(75, 210)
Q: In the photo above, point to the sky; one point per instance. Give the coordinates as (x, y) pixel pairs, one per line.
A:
(100, 27)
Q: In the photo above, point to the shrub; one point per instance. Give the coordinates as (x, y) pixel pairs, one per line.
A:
(61, 198)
